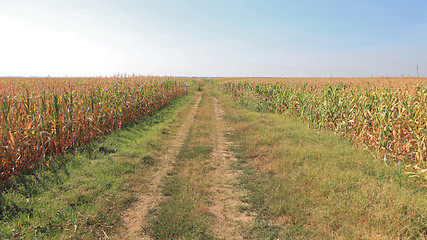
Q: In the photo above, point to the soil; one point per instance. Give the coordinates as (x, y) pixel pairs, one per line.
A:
(150, 197)
(226, 197)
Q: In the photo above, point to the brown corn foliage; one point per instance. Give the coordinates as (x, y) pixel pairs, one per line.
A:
(44, 116)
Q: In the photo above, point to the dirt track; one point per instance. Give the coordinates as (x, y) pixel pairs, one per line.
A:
(150, 197)
(224, 197)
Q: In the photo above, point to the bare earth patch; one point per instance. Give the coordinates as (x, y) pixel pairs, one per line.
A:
(226, 198)
(151, 196)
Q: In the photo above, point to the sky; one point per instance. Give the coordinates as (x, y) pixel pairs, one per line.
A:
(213, 38)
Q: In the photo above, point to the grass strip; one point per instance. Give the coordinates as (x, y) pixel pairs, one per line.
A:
(183, 213)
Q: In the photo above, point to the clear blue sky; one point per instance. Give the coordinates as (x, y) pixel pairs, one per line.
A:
(213, 37)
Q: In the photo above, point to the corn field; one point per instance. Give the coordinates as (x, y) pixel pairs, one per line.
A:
(45, 116)
(392, 120)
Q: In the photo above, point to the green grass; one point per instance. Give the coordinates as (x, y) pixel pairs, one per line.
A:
(312, 184)
(198, 151)
(183, 213)
(83, 192)
(179, 217)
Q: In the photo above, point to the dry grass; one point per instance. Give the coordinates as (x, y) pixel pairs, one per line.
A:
(312, 184)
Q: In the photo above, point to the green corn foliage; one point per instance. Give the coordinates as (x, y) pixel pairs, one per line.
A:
(392, 120)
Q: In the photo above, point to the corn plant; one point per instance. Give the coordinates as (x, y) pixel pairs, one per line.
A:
(45, 116)
(392, 120)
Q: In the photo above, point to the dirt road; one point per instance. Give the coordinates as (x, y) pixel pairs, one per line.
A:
(225, 198)
(151, 195)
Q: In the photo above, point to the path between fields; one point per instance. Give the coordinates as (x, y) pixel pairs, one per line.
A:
(134, 217)
(226, 199)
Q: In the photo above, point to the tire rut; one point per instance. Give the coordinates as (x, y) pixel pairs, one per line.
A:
(226, 198)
